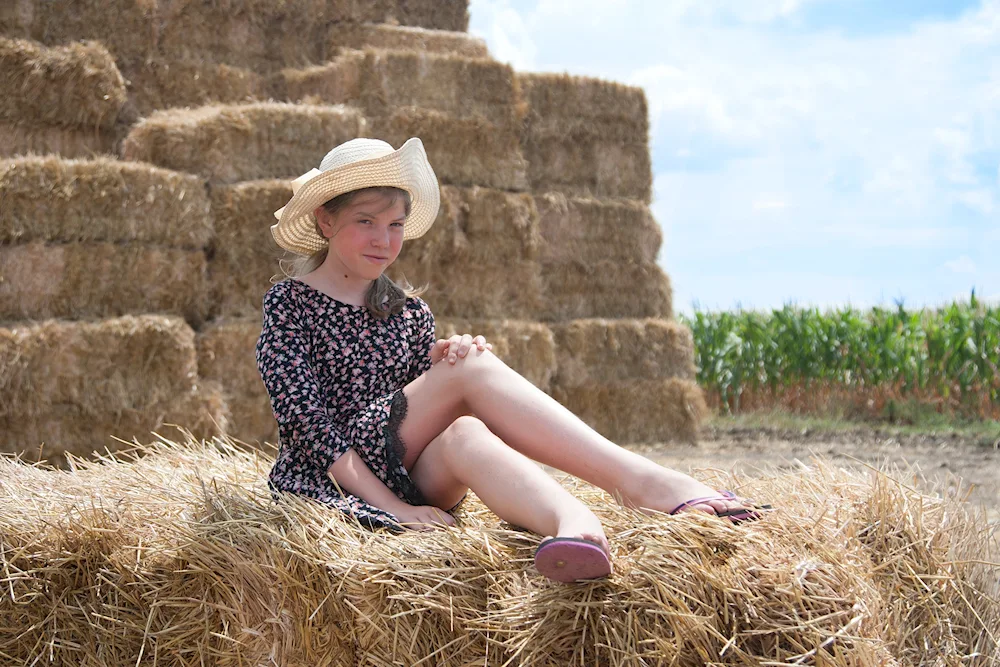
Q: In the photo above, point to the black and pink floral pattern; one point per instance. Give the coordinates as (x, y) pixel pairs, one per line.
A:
(335, 376)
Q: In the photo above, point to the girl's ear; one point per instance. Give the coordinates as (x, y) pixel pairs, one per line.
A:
(324, 221)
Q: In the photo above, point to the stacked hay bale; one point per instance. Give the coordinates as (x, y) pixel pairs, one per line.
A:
(180, 557)
(544, 242)
(102, 276)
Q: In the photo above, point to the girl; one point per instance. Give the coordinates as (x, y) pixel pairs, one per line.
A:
(374, 413)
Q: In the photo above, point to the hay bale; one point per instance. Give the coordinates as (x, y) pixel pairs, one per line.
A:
(98, 280)
(380, 81)
(226, 354)
(66, 430)
(78, 201)
(252, 421)
(243, 142)
(404, 38)
(182, 552)
(604, 288)
(254, 34)
(23, 138)
(590, 230)
(586, 137)
(527, 347)
(184, 83)
(463, 151)
(77, 85)
(603, 351)
(109, 366)
(244, 254)
(480, 291)
(247, 33)
(452, 15)
(127, 28)
(638, 411)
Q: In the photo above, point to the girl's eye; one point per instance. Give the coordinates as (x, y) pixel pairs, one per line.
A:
(397, 224)
(365, 222)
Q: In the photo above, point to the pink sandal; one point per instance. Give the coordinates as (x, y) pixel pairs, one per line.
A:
(736, 516)
(569, 559)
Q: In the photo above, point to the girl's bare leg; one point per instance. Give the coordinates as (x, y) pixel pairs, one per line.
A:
(467, 455)
(539, 427)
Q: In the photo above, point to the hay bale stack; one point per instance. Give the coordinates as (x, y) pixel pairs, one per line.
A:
(77, 85)
(404, 38)
(605, 288)
(101, 200)
(63, 100)
(90, 280)
(379, 81)
(465, 110)
(67, 431)
(18, 139)
(604, 351)
(463, 151)
(451, 15)
(183, 556)
(586, 137)
(72, 384)
(631, 380)
(479, 259)
(638, 411)
(100, 238)
(242, 142)
(125, 27)
(527, 347)
(186, 83)
(255, 34)
(226, 355)
(591, 230)
(244, 255)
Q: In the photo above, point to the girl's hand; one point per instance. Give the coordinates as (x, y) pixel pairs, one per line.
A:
(457, 347)
(423, 517)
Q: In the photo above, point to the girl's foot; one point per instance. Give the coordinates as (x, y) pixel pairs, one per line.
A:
(663, 489)
(584, 528)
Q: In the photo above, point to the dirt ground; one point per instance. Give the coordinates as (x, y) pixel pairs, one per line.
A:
(943, 462)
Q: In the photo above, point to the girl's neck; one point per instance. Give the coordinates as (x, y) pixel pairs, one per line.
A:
(339, 283)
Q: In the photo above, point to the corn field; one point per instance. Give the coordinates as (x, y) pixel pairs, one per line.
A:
(858, 362)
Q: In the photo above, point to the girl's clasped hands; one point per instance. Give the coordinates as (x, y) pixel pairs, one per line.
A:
(457, 347)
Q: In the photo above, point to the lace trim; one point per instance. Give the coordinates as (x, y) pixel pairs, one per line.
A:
(395, 452)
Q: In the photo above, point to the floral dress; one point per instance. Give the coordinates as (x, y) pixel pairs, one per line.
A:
(335, 376)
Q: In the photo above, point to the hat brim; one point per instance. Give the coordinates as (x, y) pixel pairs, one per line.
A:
(406, 168)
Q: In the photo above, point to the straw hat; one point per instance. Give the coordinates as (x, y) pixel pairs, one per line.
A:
(356, 164)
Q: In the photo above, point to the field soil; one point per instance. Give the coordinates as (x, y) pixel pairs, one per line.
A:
(938, 462)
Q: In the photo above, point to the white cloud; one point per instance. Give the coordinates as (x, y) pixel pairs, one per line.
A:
(769, 204)
(963, 264)
(507, 36)
(810, 141)
(980, 200)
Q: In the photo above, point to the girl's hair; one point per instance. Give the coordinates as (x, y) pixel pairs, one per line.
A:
(384, 297)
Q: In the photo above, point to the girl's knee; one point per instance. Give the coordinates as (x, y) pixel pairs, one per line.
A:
(472, 365)
(465, 429)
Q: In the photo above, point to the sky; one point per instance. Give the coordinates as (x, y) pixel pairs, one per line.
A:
(824, 153)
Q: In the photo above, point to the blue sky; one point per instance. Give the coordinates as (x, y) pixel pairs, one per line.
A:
(817, 152)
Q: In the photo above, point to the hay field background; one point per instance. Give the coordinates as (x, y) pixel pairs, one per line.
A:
(143, 147)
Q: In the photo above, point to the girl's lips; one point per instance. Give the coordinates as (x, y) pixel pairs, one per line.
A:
(376, 258)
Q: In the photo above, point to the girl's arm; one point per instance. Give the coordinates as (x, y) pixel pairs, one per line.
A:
(355, 477)
(297, 401)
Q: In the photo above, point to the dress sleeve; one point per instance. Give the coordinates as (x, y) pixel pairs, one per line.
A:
(283, 359)
(422, 337)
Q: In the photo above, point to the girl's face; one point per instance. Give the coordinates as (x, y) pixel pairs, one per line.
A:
(366, 235)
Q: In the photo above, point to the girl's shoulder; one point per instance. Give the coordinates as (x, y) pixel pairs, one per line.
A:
(415, 306)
